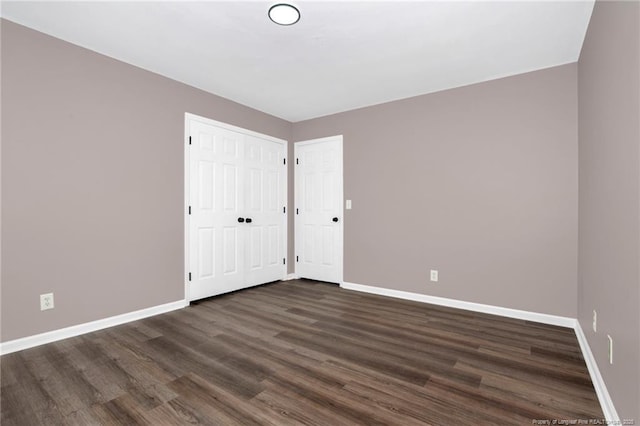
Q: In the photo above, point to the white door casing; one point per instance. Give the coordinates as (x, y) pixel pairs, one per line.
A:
(232, 174)
(319, 223)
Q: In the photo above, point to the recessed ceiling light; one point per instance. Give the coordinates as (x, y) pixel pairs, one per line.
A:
(284, 14)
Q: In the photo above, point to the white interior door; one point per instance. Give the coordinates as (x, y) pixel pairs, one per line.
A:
(217, 240)
(236, 182)
(264, 210)
(319, 214)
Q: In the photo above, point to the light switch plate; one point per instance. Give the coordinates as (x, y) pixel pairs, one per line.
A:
(348, 205)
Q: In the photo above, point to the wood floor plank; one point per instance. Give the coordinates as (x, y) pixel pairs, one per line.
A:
(291, 408)
(175, 413)
(435, 409)
(303, 352)
(345, 409)
(186, 361)
(228, 406)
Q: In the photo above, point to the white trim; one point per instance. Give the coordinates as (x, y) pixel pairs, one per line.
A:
(469, 306)
(608, 409)
(285, 242)
(604, 398)
(76, 330)
(208, 121)
(187, 192)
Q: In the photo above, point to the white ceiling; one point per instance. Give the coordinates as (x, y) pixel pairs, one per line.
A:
(339, 56)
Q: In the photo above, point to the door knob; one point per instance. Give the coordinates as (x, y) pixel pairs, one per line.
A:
(249, 220)
(335, 219)
(241, 219)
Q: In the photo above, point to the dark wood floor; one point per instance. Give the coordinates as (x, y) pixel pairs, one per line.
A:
(302, 352)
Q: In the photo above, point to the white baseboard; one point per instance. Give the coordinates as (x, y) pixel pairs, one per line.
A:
(76, 330)
(606, 403)
(608, 409)
(469, 306)
(604, 398)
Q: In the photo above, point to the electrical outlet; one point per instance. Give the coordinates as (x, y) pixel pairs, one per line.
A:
(348, 205)
(610, 349)
(46, 301)
(595, 321)
(434, 275)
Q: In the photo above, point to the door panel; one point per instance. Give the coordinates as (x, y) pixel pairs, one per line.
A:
(206, 183)
(230, 187)
(230, 250)
(272, 242)
(318, 202)
(255, 246)
(328, 235)
(206, 253)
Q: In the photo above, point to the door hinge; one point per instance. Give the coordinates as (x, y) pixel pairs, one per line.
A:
(297, 211)
(189, 140)
(189, 209)
(297, 258)
(297, 162)
(284, 210)
(189, 276)
(284, 161)
(284, 261)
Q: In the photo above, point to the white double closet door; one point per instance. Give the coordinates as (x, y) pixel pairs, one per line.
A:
(237, 203)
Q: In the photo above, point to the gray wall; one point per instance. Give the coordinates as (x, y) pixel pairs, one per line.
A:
(609, 217)
(479, 182)
(93, 181)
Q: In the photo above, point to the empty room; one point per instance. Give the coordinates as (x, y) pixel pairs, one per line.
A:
(320, 212)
